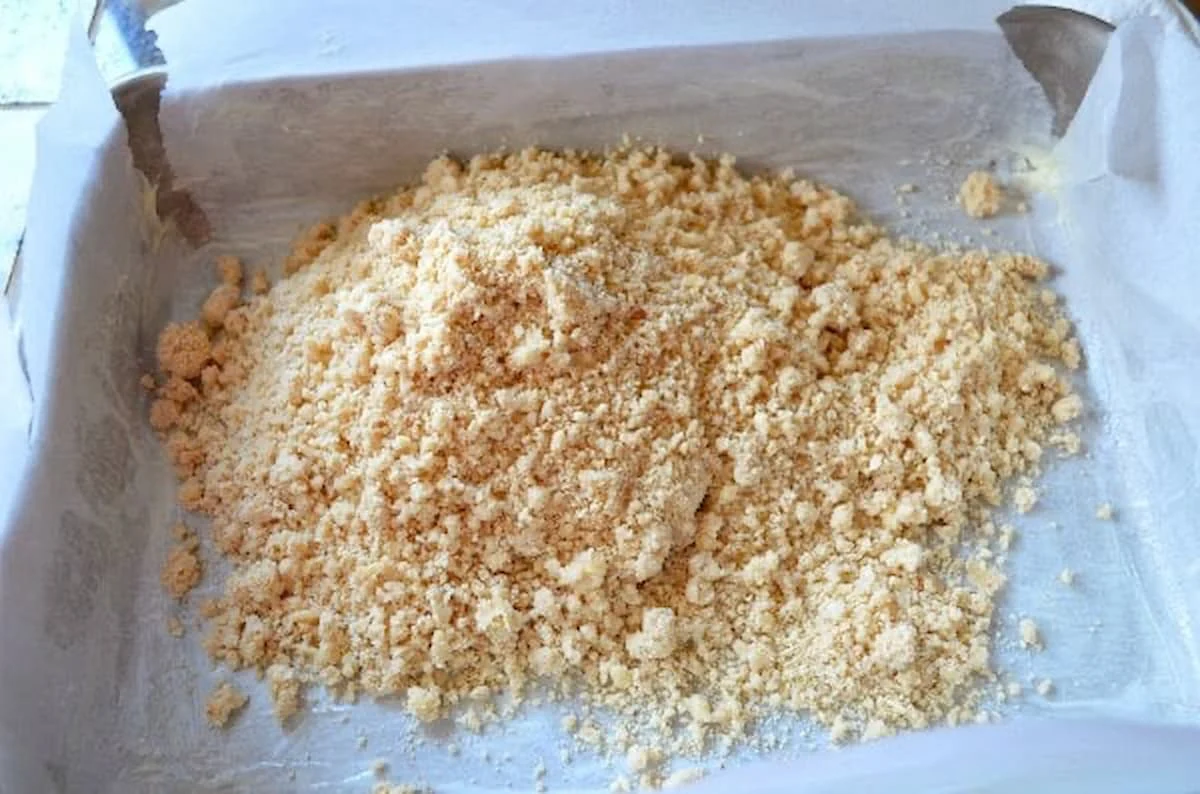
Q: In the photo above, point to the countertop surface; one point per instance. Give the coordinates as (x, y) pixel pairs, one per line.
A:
(33, 40)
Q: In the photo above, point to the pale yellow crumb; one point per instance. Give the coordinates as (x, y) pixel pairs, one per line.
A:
(1031, 635)
(682, 777)
(225, 701)
(1045, 687)
(400, 788)
(699, 446)
(1024, 498)
(1066, 576)
(424, 703)
(1014, 689)
(1104, 512)
(286, 691)
(980, 195)
(175, 627)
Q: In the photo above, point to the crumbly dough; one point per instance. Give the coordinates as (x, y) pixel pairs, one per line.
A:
(698, 446)
(980, 195)
(225, 701)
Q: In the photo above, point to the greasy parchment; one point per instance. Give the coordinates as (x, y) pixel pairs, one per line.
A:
(96, 696)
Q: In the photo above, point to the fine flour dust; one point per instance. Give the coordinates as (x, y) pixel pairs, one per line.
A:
(689, 446)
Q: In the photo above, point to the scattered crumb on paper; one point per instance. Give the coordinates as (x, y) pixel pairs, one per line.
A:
(225, 701)
(980, 195)
(695, 441)
(181, 571)
(1031, 635)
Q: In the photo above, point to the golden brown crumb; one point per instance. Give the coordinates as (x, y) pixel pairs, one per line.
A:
(310, 245)
(178, 390)
(1104, 512)
(258, 283)
(229, 269)
(148, 382)
(704, 446)
(181, 572)
(164, 414)
(225, 701)
(1031, 636)
(220, 302)
(183, 349)
(980, 195)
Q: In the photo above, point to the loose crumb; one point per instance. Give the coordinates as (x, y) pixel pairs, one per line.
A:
(229, 269)
(148, 382)
(682, 777)
(184, 349)
(225, 701)
(700, 447)
(286, 691)
(379, 767)
(980, 195)
(1045, 687)
(182, 570)
(1067, 577)
(220, 302)
(1104, 512)
(175, 627)
(1031, 636)
(1014, 689)
(1024, 498)
(259, 283)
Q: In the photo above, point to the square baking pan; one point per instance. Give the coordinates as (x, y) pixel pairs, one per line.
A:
(95, 695)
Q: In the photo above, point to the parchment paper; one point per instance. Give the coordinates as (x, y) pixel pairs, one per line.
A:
(95, 696)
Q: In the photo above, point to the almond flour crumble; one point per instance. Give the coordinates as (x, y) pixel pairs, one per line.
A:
(689, 446)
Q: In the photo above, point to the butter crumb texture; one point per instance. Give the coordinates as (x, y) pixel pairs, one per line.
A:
(980, 195)
(696, 446)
